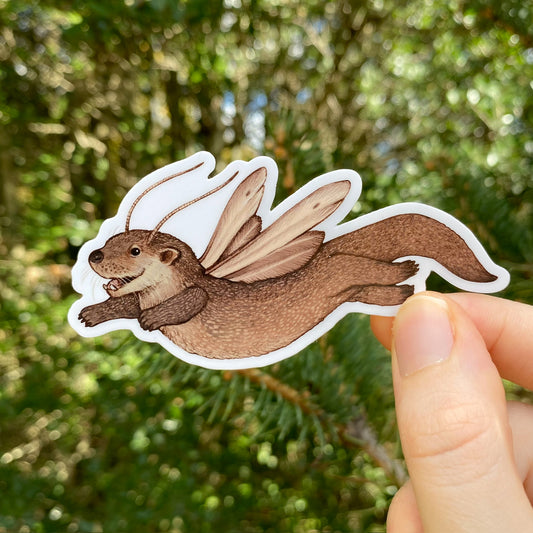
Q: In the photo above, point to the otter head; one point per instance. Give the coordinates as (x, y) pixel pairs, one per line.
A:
(134, 262)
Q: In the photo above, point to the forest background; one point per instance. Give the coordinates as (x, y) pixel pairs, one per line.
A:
(429, 100)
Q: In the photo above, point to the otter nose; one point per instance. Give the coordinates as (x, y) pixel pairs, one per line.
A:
(96, 256)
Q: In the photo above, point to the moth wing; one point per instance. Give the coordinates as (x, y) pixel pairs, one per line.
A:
(293, 255)
(233, 229)
(298, 220)
(249, 231)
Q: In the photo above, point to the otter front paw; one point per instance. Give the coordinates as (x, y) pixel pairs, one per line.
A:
(92, 315)
(149, 320)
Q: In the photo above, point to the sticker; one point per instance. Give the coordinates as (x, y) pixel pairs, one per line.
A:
(206, 268)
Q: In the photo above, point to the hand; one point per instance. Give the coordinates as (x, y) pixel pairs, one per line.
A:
(468, 452)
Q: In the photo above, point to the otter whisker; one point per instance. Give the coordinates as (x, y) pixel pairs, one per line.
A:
(94, 280)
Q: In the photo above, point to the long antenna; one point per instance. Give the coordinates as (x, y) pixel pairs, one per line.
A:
(181, 207)
(152, 187)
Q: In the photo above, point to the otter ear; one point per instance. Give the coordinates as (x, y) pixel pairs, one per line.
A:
(169, 255)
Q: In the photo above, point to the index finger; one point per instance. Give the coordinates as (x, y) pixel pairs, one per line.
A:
(506, 327)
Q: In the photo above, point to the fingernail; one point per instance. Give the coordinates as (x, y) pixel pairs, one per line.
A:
(423, 334)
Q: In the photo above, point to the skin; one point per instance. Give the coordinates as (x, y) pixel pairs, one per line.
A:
(469, 453)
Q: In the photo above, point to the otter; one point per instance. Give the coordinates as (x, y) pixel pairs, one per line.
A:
(255, 290)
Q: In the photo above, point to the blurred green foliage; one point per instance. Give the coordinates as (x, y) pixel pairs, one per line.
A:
(429, 100)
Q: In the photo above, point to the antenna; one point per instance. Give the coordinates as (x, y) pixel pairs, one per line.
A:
(181, 207)
(152, 187)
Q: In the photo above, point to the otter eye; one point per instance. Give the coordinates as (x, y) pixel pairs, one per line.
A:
(135, 251)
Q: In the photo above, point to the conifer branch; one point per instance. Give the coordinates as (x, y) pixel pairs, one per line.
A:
(355, 434)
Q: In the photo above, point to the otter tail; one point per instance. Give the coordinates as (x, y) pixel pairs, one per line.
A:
(437, 241)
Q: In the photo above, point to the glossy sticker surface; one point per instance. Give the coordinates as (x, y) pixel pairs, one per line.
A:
(209, 270)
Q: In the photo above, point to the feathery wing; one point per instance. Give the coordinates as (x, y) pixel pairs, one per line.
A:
(288, 243)
(234, 228)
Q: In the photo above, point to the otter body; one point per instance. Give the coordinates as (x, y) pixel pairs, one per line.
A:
(243, 320)
(160, 282)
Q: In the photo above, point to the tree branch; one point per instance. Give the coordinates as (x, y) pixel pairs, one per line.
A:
(355, 434)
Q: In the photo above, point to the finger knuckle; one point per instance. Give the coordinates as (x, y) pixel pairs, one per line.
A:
(454, 427)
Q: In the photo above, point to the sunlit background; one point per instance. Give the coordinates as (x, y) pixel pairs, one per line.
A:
(429, 100)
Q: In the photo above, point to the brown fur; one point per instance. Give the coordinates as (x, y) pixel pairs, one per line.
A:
(168, 289)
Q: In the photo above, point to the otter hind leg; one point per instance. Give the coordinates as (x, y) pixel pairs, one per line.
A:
(393, 273)
(407, 269)
(366, 271)
(377, 294)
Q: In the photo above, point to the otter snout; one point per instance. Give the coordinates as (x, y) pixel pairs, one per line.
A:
(96, 257)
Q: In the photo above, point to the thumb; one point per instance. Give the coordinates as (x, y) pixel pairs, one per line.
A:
(453, 425)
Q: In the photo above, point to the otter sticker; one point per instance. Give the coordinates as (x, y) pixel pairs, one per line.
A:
(208, 269)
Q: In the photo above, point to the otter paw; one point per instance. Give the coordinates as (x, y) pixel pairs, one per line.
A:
(409, 268)
(405, 291)
(148, 320)
(91, 316)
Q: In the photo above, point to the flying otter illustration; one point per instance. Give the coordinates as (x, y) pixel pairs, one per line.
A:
(236, 284)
